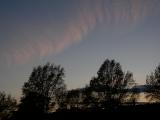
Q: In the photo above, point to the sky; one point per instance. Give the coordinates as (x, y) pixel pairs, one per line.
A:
(78, 35)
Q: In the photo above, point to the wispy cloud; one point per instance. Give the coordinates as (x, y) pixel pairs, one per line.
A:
(86, 16)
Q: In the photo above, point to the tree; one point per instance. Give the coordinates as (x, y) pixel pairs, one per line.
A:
(153, 82)
(111, 83)
(8, 105)
(44, 88)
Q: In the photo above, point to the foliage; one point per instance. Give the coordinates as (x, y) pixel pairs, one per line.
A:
(108, 89)
(8, 105)
(44, 88)
(153, 82)
(112, 83)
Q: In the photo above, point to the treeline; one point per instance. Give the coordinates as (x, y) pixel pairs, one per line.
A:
(45, 91)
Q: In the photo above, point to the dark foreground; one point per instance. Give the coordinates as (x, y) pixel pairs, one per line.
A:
(50, 116)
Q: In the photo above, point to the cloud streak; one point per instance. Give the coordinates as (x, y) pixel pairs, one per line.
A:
(84, 19)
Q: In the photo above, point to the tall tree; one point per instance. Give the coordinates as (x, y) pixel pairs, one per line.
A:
(8, 105)
(44, 87)
(153, 82)
(111, 82)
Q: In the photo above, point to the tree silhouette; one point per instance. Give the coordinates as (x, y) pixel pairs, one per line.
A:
(8, 105)
(111, 83)
(44, 88)
(153, 82)
(89, 99)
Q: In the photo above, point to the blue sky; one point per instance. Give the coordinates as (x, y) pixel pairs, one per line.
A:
(79, 35)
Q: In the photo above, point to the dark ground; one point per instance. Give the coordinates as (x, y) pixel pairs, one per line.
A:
(147, 108)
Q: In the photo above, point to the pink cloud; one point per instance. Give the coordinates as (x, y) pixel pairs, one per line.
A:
(87, 15)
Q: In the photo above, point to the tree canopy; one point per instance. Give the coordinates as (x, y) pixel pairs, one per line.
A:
(44, 88)
(8, 105)
(112, 81)
(153, 82)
